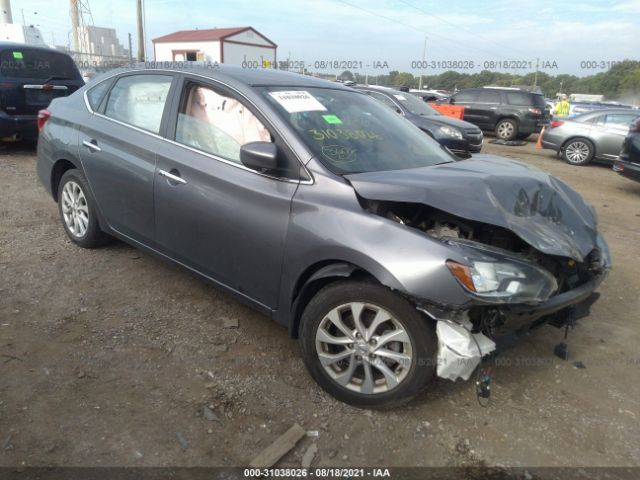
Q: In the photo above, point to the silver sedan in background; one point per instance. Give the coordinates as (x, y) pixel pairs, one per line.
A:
(595, 135)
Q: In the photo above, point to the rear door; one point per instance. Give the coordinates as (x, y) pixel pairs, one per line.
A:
(612, 128)
(118, 148)
(213, 214)
(32, 77)
(485, 108)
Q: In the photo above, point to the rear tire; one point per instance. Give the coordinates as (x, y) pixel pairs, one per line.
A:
(383, 360)
(578, 151)
(77, 211)
(506, 129)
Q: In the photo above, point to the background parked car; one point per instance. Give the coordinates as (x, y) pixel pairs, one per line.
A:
(628, 164)
(578, 108)
(428, 95)
(462, 138)
(594, 135)
(509, 112)
(31, 77)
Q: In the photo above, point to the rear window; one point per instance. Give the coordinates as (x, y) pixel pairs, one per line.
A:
(36, 64)
(519, 98)
(97, 93)
(466, 96)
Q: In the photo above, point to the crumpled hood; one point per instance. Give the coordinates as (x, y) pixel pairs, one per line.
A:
(541, 209)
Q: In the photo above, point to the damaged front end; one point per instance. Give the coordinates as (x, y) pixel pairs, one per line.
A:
(525, 256)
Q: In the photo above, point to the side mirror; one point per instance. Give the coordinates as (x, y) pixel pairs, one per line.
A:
(452, 100)
(260, 156)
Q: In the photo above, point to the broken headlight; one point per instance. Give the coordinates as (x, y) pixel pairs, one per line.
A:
(503, 280)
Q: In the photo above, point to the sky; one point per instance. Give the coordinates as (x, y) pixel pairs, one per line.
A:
(578, 37)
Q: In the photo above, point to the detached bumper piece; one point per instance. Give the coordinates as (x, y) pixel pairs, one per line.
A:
(459, 350)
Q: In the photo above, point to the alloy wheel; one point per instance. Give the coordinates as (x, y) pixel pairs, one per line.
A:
(363, 348)
(505, 130)
(75, 210)
(577, 152)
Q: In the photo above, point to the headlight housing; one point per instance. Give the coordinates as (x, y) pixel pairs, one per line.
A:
(450, 132)
(503, 280)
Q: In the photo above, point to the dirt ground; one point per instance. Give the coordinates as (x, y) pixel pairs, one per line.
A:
(108, 357)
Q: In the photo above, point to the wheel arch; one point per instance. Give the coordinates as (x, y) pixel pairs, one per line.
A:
(60, 166)
(314, 278)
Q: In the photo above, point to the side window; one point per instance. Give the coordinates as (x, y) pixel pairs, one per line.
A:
(619, 120)
(463, 97)
(519, 98)
(217, 124)
(384, 99)
(139, 100)
(488, 96)
(97, 93)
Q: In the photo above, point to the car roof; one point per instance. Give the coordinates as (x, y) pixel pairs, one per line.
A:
(232, 75)
(611, 110)
(378, 88)
(24, 46)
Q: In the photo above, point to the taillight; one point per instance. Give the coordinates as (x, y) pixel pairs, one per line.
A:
(43, 116)
(535, 111)
(556, 124)
(635, 126)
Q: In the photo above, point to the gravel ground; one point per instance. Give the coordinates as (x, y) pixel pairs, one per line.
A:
(109, 356)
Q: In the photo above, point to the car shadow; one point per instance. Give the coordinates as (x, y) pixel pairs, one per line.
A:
(23, 147)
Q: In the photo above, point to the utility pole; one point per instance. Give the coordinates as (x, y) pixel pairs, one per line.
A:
(424, 57)
(535, 77)
(130, 50)
(5, 15)
(75, 22)
(141, 56)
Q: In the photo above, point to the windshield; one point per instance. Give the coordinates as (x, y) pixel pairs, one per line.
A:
(414, 105)
(37, 64)
(351, 133)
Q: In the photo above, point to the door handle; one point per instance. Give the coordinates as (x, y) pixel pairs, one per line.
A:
(92, 145)
(172, 177)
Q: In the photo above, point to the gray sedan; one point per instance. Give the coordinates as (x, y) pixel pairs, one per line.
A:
(595, 135)
(389, 259)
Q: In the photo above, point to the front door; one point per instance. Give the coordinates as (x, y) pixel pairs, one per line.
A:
(213, 214)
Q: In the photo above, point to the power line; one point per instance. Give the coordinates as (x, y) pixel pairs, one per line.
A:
(479, 35)
(450, 40)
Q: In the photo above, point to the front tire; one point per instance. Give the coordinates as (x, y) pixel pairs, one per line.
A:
(366, 345)
(77, 211)
(578, 151)
(506, 129)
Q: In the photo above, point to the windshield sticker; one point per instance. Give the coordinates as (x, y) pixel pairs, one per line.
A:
(339, 154)
(17, 55)
(343, 134)
(333, 119)
(400, 97)
(297, 101)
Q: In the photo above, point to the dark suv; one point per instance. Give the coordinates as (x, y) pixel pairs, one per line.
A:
(30, 77)
(509, 112)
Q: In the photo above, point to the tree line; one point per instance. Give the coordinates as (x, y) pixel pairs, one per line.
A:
(621, 82)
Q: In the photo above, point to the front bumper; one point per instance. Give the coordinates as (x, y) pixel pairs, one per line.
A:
(464, 146)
